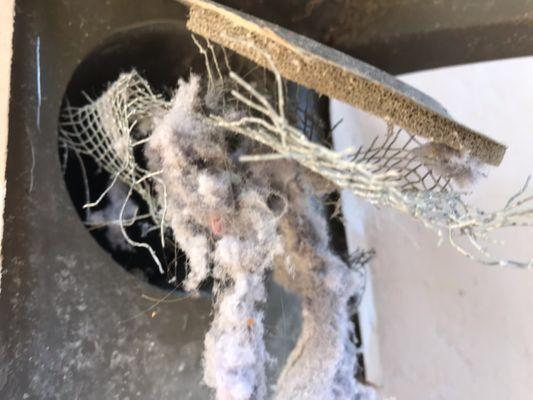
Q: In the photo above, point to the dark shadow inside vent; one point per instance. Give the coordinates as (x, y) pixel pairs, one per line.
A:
(161, 53)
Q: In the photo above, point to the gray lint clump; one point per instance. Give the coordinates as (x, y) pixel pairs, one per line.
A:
(221, 214)
(219, 218)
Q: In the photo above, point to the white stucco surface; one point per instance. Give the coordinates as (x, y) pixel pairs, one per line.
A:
(446, 327)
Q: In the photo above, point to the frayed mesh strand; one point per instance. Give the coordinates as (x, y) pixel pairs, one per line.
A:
(398, 171)
(108, 130)
(232, 172)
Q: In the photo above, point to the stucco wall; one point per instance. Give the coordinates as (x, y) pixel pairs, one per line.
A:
(448, 328)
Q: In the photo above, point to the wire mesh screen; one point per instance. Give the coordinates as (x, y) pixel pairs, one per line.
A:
(398, 170)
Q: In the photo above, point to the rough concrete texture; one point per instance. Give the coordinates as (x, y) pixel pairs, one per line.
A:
(6, 30)
(449, 328)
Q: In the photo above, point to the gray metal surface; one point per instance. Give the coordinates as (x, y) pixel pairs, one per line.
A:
(407, 35)
(73, 324)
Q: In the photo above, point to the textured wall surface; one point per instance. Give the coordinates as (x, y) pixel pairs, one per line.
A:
(6, 34)
(447, 327)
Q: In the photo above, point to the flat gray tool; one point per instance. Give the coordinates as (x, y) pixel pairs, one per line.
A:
(339, 76)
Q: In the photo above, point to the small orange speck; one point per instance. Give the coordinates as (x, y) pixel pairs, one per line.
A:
(216, 225)
(250, 323)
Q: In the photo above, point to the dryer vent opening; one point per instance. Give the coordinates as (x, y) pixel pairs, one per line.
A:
(161, 53)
